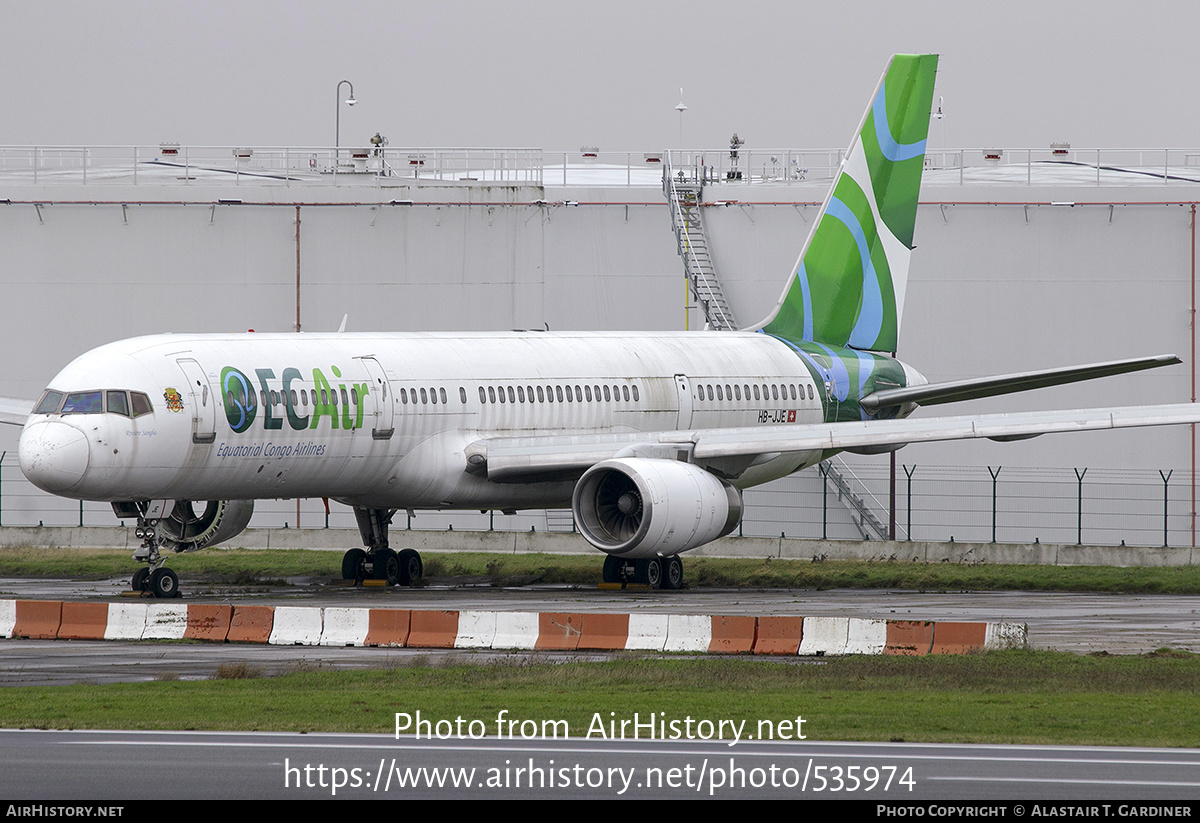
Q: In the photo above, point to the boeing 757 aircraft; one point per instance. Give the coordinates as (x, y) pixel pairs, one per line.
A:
(649, 437)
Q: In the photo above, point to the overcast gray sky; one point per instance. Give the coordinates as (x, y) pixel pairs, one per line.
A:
(564, 74)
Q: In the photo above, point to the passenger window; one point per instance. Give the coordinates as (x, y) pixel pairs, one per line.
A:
(512, 396)
(570, 395)
(424, 397)
(587, 390)
(541, 395)
(558, 393)
(462, 395)
(720, 393)
(625, 391)
(635, 393)
(521, 393)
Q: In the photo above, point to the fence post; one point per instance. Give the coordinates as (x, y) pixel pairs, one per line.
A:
(1165, 477)
(994, 475)
(2, 486)
(1079, 528)
(908, 473)
(821, 467)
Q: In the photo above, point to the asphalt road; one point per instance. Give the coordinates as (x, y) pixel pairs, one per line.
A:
(115, 766)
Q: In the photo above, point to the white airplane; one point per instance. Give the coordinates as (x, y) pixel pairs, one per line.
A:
(649, 437)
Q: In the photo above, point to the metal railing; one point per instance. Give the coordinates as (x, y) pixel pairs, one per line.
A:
(170, 164)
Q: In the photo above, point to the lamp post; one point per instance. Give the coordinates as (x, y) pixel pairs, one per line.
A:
(350, 101)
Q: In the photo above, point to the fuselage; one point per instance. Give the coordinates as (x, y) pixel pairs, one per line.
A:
(384, 419)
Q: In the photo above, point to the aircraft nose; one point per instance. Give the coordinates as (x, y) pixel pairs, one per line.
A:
(53, 455)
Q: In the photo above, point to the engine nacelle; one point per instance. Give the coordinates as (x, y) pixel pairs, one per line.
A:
(639, 507)
(185, 531)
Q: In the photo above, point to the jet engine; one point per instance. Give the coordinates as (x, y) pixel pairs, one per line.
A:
(643, 507)
(183, 530)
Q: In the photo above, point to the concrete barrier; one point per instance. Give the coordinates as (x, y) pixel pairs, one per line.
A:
(8, 617)
(310, 626)
(206, 622)
(478, 630)
(604, 631)
(126, 621)
(866, 636)
(389, 627)
(559, 630)
(251, 624)
(1006, 636)
(83, 621)
(909, 637)
(296, 626)
(647, 631)
(958, 638)
(516, 630)
(779, 635)
(37, 619)
(166, 621)
(433, 629)
(345, 627)
(732, 635)
(825, 636)
(688, 633)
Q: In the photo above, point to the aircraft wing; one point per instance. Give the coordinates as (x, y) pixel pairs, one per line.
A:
(14, 411)
(521, 458)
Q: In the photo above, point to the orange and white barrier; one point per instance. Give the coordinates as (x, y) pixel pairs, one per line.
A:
(312, 626)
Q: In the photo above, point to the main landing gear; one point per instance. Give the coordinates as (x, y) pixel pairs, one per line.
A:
(378, 561)
(655, 572)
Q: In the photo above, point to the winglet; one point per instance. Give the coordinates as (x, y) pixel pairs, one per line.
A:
(847, 289)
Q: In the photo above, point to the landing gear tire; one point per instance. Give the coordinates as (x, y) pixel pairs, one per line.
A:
(673, 579)
(612, 569)
(386, 566)
(412, 570)
(164, 583)
(354, 565)
(140, 581)
(649, 572)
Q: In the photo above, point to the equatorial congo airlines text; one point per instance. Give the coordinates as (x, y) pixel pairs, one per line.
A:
(652, 726)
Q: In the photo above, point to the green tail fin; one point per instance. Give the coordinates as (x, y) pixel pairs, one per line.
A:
(848, 286)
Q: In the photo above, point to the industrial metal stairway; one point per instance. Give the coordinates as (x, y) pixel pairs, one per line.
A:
(683, 194)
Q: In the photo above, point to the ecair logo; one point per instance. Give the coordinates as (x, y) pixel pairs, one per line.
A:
(341, 404)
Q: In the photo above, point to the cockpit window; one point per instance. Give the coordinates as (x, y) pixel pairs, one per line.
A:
(84, 402)
(118, 402)
(141, 404)
(50, 402)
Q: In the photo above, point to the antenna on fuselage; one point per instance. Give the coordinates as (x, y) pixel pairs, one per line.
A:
(342, 327)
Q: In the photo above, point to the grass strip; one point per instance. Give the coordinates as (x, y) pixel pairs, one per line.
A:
(243, 566)
(1003, 697)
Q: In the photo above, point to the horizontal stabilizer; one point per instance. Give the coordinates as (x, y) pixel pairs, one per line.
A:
(14, 411)
(954, 391)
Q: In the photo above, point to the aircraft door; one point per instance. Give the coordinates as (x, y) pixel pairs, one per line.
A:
(381, 390)
(684, 391)
(204, 415)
